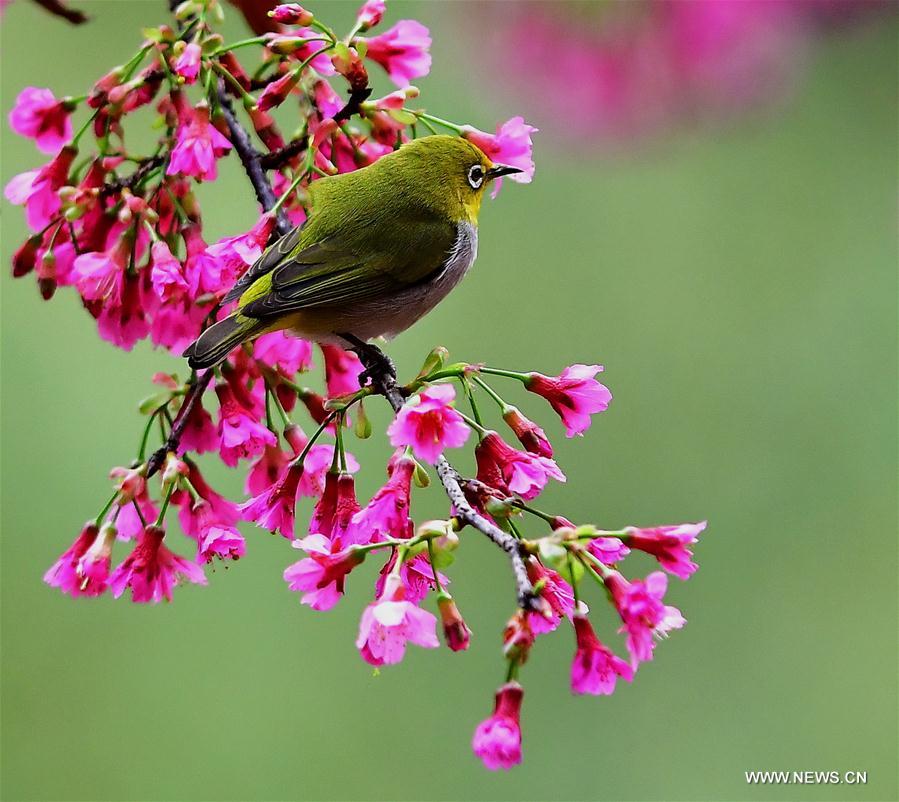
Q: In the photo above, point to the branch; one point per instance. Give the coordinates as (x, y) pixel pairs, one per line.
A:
(131, 181)
(252, 162)
(278, 158)
(449, 477)
(353, 104)
(197, 388)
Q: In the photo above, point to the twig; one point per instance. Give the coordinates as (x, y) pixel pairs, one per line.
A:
(252, 162)
(357, 96)
(131, 181)
(278, 158)
(174, 439)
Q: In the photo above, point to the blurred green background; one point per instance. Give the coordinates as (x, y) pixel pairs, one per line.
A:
(739, 286)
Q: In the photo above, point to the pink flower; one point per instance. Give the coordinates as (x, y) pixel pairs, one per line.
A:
(429, 424)
(321, 575)
(416, 576)
(216, 537)
(225, 511)
(276, 92)
(511, 470)
(233, 255)
(455, 630)
(266, 470)
(98, 274)
(639, 603)
(274, 508)
(497, 740)
(608, 549)
(93, 567)
(511, 145)
(402, 51)
(387, 514)
(198, 146)
(342, 369)
(555, 592)
(291, 14)
(669, 545)
(315, 466)
(370, 13)
(166, 274)
(239, 434)
(188, 63)
(200, 433)
(283, 351)
(151, 570)
(595, 669)
(529, 434)
(63, 574)
(38, 115)
(575, 395)
(123, 321)
(390, 622)
(37, 189)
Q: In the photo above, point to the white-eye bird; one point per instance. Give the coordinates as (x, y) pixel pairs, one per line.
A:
(381, 247)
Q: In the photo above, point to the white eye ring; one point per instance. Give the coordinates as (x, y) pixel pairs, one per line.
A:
(476, 176)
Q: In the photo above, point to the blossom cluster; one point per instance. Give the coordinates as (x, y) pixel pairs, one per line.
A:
(131, 244)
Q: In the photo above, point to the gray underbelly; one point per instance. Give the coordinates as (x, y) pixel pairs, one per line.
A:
(387, 317)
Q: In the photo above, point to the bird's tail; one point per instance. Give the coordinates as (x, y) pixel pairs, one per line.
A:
(214, 344)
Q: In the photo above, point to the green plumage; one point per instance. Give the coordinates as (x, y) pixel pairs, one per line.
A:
(380, 233)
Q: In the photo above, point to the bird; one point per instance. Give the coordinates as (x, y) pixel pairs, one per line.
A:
(380, 248)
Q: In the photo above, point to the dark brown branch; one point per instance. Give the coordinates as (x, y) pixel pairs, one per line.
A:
(357, 96)
(278, 158)
(252, 162)
(197, 388)
(131, 181)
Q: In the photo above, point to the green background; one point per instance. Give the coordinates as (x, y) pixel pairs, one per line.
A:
(740, 288)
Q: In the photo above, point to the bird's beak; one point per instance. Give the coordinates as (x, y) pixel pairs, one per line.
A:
(499, 170)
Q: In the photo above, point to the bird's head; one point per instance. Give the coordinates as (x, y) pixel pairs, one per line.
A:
(449, 172)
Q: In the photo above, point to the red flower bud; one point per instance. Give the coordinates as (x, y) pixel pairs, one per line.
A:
(291, 14)
(455, 630)
(23, 260)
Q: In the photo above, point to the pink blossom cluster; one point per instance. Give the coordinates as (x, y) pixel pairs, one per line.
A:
(126, 231)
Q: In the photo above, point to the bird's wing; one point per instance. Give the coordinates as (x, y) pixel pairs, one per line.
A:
(270, 259)
(332, 271)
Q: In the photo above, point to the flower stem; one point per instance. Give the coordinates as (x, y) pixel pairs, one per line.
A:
(106, 508)
(165, 504)
(424, 117)
(315, 435)
(490, 391)
(509, 374)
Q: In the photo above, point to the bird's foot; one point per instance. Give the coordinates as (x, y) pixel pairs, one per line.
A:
(378, 366)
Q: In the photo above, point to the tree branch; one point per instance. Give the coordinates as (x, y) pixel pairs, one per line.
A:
(252, 162)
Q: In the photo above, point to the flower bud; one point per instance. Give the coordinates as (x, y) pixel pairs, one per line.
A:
(174, 469)
(370, 14)
(277, 91)
(291, 14)
(455, 630)
(46, 275)
(24, 259)
(529, 434)
(433, 362)
(348, 63)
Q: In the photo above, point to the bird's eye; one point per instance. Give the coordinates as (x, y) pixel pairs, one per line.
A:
(476, 176)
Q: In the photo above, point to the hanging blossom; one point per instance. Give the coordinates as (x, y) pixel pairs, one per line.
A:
(123, 231)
